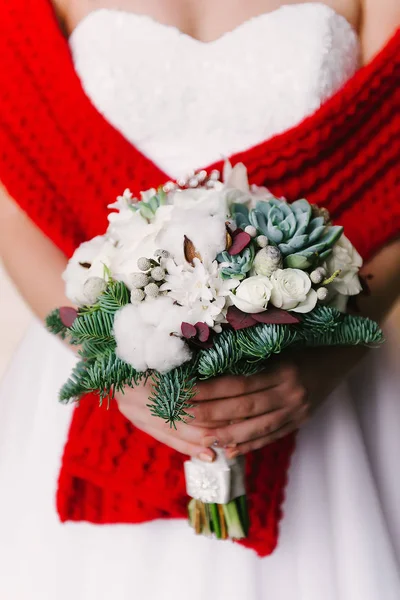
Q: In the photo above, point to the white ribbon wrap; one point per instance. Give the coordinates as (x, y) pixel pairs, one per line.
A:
(218, 482)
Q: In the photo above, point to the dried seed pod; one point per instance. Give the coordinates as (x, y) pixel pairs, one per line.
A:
(262, 241)
(158, 274)
(190, 251)
(322, 293)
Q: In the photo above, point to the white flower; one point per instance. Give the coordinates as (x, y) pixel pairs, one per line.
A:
(347, 260)
(148, 335)
(291, 290)
(87, 262)
(253, 294)
(200, 289)
(125, 262)
(238, 189)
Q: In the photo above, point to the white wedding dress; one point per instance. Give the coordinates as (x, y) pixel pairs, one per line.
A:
(185, 104)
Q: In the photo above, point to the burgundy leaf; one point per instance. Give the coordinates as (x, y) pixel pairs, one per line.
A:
(68, 315)
(203, 331)
(236, 232)
(188, 331)
(240, 242)
(276, 316)
(204, 345)
(239, 319)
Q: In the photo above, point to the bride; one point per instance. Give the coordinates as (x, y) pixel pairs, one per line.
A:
(140, 63)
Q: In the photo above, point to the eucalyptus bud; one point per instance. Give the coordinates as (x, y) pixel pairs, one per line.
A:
(144, 264)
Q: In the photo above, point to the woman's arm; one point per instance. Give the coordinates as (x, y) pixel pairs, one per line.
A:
(33, 262)
(379, 20)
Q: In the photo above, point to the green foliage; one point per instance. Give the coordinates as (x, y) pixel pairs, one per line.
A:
(321, 320)
(172, 394)
(221, 358)
(93, 326)
(76, 386)
(236, 267)
(303, 240)
(115, 297)
(109, 374)
(262, 340)
(350, 331)
(55, 325)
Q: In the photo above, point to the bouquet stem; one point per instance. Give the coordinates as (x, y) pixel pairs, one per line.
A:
(225, 521)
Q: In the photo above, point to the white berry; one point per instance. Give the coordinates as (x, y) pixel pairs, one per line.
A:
(322, 293)
(318, 275)
(252, 231)
(158, 274)
(151, 290)
(139, 280)
(262, 241)
(144, 264)
(137, 296)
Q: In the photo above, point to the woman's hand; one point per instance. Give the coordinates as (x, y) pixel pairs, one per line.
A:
(247, 413)
(185, 439)
(266, 407)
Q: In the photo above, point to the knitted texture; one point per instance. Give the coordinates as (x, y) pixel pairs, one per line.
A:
(63, 163)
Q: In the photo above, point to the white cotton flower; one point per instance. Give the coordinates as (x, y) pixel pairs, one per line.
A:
(199, 215)
(148, 335)
(291, 290)
(253, 294)
(346, 259)
(88, 261)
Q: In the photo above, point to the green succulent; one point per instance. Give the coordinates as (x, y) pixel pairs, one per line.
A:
(149, 208)
(237, 266)
(303, 240)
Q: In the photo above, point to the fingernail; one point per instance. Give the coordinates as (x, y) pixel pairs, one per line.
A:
(211, 441)
(232, 453)
(206, 457)
(230, 446)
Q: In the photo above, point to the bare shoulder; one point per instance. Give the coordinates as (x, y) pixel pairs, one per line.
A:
(380, 19)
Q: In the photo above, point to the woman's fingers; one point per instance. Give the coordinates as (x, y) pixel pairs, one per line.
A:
(232, 409)
(233, 386)
(180, 444)
(292, 424)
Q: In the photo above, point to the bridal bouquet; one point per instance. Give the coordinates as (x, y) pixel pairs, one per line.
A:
(201, 278)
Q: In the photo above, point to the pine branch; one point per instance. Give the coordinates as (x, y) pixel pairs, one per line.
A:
(352, 331)
(321, 320)
(55, 325)
(221, 357)
(75, 387)
(261, 341)
(115, 297)
(109, 374)
(93, 326)
(172, 394)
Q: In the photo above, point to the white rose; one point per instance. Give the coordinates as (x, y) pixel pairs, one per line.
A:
(291, 290)
(346, 259)
(253, 294)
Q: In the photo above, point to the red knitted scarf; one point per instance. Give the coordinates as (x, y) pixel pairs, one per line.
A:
(63, 163)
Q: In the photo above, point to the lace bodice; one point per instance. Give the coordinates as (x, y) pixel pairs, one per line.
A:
(186, 104)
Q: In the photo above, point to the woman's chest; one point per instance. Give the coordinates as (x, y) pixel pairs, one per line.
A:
(206, 20)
